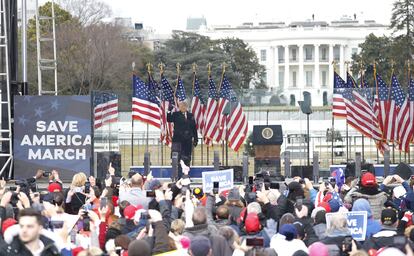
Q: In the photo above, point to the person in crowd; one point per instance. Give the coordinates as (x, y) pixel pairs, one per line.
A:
(286, 242)
(336, 234)
(385, 237)
(368, 188)
(373, 225)
(133, 192)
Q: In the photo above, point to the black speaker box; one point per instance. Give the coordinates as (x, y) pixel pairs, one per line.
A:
(267, 135)
(303, 171)
(403, 170)
(350, 169)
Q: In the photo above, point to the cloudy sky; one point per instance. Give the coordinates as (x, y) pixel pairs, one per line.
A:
(165, 15)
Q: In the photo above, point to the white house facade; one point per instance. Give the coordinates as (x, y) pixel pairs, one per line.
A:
(298, 57)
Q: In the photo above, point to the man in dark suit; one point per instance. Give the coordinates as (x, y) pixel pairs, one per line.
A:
(185, 134)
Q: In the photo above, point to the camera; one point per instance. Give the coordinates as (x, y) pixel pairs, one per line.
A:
(255, 241)
(46, 174)
(56, 224)
(86, 220)
(347, 244)
(87, 187)
(299, 203)
(274, 185)
(150, 193)
(215, 187)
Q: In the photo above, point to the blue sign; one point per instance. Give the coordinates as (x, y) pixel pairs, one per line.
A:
(52, 132)
(357, 223)
(224, 177)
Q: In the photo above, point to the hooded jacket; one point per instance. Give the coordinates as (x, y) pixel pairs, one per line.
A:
(219, 244)
(373, 226)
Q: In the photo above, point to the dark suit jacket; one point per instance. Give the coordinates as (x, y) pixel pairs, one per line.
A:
(184, 128)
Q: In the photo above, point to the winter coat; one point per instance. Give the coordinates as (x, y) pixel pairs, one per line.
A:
(16, 247)
(219, 244)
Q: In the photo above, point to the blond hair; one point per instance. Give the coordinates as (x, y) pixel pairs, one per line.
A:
(177, 226)
(78, 180)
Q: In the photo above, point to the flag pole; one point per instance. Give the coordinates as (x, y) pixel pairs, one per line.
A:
(388, 107)
(149, 66)
(194, 67)
(161, 67)
(346, 123)
(412, 128)
(333, 124)
(361, 69)
(132, 123)
(221, 128)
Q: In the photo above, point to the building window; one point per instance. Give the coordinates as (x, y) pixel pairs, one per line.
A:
(308, 53)
(324, 54)
(324, 78)
(263, 55)
(325, 99)
(292, 100)
(294, 79)
(281, 79)
(308, 78)
(354, 51)
(281, 54)
(336, 53)
(294, 54)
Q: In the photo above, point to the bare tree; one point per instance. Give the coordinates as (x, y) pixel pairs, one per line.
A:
(88, 12)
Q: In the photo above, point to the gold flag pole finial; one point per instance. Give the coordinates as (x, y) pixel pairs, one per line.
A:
(178, 65)
(409, 66)
(334, 62)
(161, 67)
(149, 67)
(392, 66)
(209, 69)
(347, 65)
(194, 67)
(224, 67)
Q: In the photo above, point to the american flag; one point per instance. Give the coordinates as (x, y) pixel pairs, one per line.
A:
(381, 103)
(406, 114)
(167, 100)
(398, 112)
(198, 106)
(211, 113)
(360, 114)
(234, 125)
(145, 105)
(180, 91)
(396, 102)
(338, 103)
(105, 108)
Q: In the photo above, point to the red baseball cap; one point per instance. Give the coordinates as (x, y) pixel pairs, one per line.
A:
(129, 212)
(252, 223)
(368, 180)
(54, 187)
(7, 223)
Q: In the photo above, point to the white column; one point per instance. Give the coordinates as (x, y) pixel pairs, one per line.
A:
(287, 82)
(270, 66)
(276, 68)
(341, 61)
(301, 79)
(316, 84)
(331, 69)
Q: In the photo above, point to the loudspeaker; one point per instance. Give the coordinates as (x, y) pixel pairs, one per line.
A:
(267, 135)
(303, 171)
(237, 172)
(350, 169)
(103, 159)
(306, 104)
(403, 170)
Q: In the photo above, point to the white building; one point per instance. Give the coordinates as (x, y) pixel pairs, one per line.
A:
(298, 56)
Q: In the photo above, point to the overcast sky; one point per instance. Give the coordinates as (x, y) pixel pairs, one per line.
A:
(165, 15)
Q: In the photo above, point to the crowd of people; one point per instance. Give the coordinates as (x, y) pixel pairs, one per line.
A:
(141, 216)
